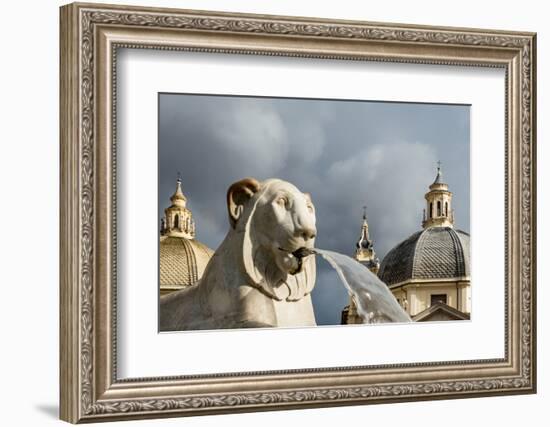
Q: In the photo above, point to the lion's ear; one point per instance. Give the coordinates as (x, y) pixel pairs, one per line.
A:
(237, 195)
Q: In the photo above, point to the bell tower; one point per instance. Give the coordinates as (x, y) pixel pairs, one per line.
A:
(178, 219)
(438, 211)
(365, 254)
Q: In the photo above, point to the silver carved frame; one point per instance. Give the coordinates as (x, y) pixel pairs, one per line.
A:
(90, 36)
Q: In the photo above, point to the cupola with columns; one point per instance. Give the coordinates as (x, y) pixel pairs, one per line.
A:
(178, 219)
(438, 212)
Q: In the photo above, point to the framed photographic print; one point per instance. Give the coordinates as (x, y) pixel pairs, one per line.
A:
(266, 212)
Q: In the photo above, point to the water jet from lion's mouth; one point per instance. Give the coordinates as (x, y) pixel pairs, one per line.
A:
(299, 254)
(375, 302)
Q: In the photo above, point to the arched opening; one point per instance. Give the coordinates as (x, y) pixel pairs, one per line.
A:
(177, 221)
(438, 208)
(446, 209)
(431, 210)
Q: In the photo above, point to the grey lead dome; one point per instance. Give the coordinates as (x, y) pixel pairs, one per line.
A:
(433, 253)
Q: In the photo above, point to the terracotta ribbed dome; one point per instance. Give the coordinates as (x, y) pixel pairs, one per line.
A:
(182, 262)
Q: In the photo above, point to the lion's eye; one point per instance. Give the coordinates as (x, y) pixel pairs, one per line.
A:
(282, 201)
(310, 208)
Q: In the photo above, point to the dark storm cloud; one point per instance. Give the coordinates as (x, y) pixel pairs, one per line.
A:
(345, 154)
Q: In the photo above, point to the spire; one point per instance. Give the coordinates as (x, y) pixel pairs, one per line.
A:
(364, 252)
(438, 211)
(178, 198)
(439, 176)
(364, 241)
(178, 219)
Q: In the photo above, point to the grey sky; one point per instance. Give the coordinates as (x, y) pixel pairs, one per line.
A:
(346, 154)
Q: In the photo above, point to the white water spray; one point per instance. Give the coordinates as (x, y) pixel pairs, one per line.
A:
(375, 302)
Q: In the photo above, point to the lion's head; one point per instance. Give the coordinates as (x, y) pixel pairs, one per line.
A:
(277, 222)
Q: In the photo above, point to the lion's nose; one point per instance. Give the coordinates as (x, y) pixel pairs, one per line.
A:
(306, 233)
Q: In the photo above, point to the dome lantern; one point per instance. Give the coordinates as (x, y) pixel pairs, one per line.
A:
(178, 219)
(438, 212)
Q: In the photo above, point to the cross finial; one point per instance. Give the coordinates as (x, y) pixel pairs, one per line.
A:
(365, 212)
(439, 164)
(179, 176)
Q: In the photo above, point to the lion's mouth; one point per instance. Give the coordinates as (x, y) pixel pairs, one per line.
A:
(300, 252)
(298, 255)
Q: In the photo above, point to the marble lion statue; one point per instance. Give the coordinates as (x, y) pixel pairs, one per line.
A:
(263, 272)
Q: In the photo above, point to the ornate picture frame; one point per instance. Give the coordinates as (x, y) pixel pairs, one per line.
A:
(90, 37)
